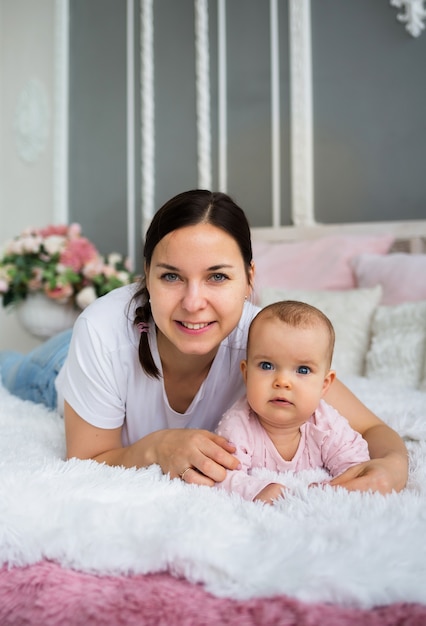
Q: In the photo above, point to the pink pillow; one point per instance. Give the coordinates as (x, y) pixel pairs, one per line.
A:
(402, 276)
(322, 263)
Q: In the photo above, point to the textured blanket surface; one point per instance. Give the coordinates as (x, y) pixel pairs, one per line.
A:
(315, 545)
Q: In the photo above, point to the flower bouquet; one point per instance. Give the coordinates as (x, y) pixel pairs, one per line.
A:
(60, 263)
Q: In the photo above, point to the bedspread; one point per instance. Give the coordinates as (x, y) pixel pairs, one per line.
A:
(320, 544)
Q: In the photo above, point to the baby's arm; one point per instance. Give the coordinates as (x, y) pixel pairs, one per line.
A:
(270, 493)
(250, 487)
(234, 426)
(344, 447)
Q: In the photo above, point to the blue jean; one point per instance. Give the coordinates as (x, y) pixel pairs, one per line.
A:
(32, 376)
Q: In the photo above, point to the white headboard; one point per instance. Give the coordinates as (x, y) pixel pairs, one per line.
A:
(410, 235)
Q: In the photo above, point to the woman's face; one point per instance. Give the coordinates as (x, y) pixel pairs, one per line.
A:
(197, 283)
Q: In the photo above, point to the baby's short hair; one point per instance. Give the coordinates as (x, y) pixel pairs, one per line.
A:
(299, 315)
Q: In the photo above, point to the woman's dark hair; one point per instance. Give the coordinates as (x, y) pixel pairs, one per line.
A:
(189, 208)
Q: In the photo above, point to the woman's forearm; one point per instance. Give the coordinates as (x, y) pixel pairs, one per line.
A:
(140, 454)
(388, 468)
(384, 443)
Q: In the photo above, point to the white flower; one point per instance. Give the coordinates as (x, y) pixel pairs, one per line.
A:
(54, 244)
(31, 244)
(85, 297)
(123, 277)
(114, 258)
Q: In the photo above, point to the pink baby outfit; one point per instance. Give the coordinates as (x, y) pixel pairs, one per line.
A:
(327, 441)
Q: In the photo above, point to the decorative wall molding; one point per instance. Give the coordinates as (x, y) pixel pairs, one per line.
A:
(302, 209)
(32, 120)
(130, 131)
(413, 17)
(275, 112)
(148, 120)
(202, 75)
(222, 98)
(61, 114)
(302, 204)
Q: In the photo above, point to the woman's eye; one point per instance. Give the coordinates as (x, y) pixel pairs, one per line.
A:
(265, 365)
(170, 277)
(303, 369)
(218, 277)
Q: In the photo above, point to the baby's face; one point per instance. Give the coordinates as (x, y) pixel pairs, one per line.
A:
(286, 372)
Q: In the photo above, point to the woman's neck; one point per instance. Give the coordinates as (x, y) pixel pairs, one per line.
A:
(183, 374)
(176, 363)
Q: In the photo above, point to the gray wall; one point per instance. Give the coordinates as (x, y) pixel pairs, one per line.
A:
(97, 132)
(369, 111)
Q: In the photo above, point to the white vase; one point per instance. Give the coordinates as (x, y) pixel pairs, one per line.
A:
(43, 317)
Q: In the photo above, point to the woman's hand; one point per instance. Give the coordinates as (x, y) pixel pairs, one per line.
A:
(201, 455)
(382, 475)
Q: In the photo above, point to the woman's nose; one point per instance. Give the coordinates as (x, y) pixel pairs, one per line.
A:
(193, 298)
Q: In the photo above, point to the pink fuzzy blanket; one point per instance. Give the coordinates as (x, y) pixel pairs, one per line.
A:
(45, 594)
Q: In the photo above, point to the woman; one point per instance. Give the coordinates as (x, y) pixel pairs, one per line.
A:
(147, 382)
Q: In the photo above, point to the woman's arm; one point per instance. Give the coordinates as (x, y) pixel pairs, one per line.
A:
(388, 468)
(174, 450)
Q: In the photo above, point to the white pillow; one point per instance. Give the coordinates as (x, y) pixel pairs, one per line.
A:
(398, 345)
(350, 311)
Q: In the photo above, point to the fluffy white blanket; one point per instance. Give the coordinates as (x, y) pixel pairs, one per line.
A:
(317, 544)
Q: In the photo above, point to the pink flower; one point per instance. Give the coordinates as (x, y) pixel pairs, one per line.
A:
(77, 253)
(61, 293)
(108, 271)
(4, 286)
(74, 231)
(93, 268)
(61, 230)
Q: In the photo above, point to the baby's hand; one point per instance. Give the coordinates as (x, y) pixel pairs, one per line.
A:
(270, 493)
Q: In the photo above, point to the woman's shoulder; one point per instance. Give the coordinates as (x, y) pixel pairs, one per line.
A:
(111, 316)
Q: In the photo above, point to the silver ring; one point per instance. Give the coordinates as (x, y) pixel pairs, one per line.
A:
(184, 472)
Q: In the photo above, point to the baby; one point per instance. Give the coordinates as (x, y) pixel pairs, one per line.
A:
(283, 423)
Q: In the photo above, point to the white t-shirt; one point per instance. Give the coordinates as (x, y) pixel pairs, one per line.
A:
(103, 380)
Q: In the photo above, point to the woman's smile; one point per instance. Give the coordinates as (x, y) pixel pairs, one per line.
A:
(195, 326)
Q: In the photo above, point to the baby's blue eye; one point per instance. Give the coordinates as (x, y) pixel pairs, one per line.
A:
(303, 369)
(265, 365)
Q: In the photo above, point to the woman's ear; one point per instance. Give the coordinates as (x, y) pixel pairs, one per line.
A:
(328, 379)
(251, 275)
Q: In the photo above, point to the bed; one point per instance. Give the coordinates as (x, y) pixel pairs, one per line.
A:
(83, 543)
